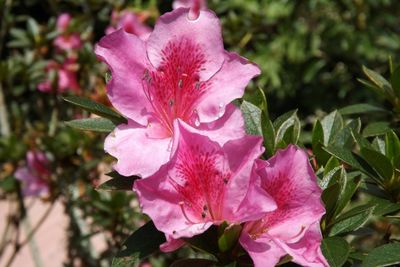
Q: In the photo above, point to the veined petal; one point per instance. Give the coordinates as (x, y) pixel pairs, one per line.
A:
(229, 127)
(204, 32)
(290, 180)
(125, 54)
(263, 251)
(227, 85)
(190, 193)
(140, 150)
(307, 251)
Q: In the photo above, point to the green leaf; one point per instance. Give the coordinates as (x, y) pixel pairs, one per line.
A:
(392, 145)
(206, 242)
(252, 118)
(386, 255)
(351, 220)
(376, 78)
(96, 108)
(353, 160)
(345, 138)
(331, 125)
(287, 129)
(119, 182)
(361, 109)
(395, 81)
(376, 128)
(348, 192)
(141, 244)
(229, 237)
(268, 134)
(383, 206)
(194, 263)
(336, 250)
(378, 162)
(317, 142)
(93, 124)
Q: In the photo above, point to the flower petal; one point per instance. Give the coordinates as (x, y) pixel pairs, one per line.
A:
(160, 200)
(228, 84)
(263, 251)
(247, 200)
(307, 251)
(204, 32)
(290, 180)
(125, 54)
(171, 244)
(229, 127)
(138, 149)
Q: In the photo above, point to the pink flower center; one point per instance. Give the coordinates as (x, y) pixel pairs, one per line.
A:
(174, 87)
(200, 178)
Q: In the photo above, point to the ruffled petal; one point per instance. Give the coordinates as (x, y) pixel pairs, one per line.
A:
(204, 33)
(171, 244)
(229, 127)
(307, 251)
(290, 180)
(263, 251)
(227, 85)
(125, 54)
(139, 150)
(247, 200)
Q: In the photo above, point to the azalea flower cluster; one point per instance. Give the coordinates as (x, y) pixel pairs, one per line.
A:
(66, 43)
(187, 141)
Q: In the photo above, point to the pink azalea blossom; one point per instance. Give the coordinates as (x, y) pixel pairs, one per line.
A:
(204, 184)
(181, 71)
(293, 228)
(66, 40)
(130, 22)
(194, 5)
(34, 175)
(66, 77)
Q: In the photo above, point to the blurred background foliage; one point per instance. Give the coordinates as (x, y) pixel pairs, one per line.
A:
(311, 54)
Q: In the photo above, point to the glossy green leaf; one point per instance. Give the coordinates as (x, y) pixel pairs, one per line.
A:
(380, 163)
(96, 108)
(348, 191)
(229, 237)
(386, 255)
(141, 244)
(351, 220)
(376, 78)
(93, 124)
(336, 250)
(395, 81)
(287, 129)
(252, 118)
(331, 125)
(384, 206)
(268, 134)
(376, 128)
(353, 160)
(206, 242)
(361, 109)
(392, 146)
(344, 138)
(317, 142)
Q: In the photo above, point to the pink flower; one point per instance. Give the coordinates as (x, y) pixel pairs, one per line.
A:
(34, 175)
(204, 184)
(63, 22)
(181, 71)
(194, 5)
(128, 21)
(293, 228)
(66, 77)
(66, 40)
